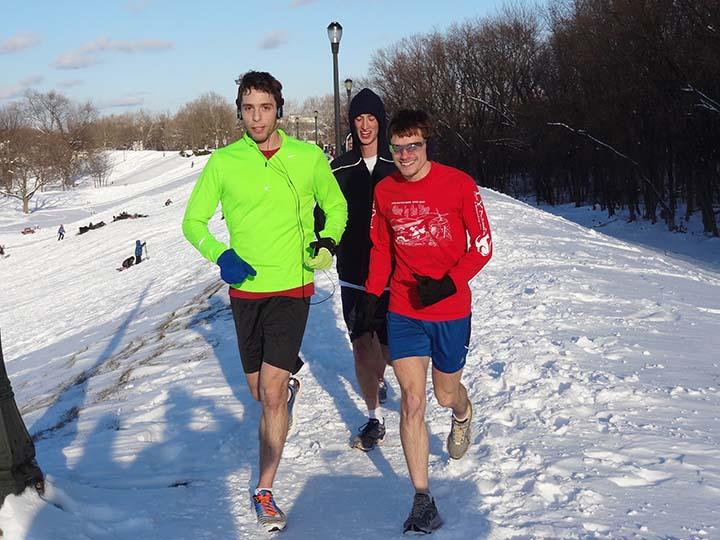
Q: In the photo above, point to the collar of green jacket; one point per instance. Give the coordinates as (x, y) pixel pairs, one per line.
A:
(284, 139)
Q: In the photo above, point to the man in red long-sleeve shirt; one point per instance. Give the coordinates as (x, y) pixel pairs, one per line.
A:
(430, 223)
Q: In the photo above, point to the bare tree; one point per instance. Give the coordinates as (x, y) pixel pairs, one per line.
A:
(99, 166)
(70, 126)
(25, 166)
(324, 105)
(207, 122)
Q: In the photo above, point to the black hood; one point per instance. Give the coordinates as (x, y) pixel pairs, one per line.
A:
(368, 102)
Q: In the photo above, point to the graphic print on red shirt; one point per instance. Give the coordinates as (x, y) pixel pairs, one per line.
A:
(432, 227)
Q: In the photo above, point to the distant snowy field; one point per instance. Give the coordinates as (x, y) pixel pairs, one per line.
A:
(593, 369)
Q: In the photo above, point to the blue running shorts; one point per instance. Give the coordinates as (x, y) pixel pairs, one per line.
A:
(446, 342)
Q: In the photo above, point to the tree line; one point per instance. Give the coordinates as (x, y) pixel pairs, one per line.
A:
(614, 103)
(47, 139)
(609, 102)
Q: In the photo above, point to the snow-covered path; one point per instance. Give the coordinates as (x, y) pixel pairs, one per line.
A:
(593, 370)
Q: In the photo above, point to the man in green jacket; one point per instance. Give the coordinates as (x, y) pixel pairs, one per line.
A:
(268, 184)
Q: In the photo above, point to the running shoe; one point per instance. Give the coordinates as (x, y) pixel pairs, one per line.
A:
(382, 391)
(369, 435)
(269, 516)
(424, 516)
(459, 438)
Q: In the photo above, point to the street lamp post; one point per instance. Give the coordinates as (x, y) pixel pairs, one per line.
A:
(316, 137)
(334, 31)
(348, 89)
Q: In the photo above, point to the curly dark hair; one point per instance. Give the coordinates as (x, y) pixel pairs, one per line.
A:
(262, 81)
(406, 122)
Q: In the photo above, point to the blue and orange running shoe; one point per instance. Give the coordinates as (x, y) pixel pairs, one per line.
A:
(269, 516)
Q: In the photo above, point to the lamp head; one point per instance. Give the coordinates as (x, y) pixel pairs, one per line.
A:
(334, 31)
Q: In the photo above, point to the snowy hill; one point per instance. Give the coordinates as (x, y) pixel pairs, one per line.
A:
(593, 370)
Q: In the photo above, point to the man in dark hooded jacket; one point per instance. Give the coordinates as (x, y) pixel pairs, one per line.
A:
(358, 171)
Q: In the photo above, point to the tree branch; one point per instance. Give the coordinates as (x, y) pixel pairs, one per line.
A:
(706, 102)
(510, 119)
(456, 134)
(510, 142)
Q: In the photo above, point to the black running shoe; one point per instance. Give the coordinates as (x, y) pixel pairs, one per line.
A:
(424, 517)
(370, 435)
(382, 391)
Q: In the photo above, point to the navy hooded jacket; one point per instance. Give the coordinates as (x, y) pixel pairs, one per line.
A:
(358, 184)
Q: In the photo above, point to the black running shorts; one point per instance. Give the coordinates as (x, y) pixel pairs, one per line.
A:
(269, 330)
(351, 302)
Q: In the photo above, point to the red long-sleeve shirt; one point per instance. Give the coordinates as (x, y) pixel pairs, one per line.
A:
(432, 227)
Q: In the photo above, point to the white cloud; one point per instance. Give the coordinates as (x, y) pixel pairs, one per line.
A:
(16, 90)
(75, 60)
(11, 92)
(143, 45)
(18, 42)
(137, 5)
(273, 39)
(86, 55)
(125, 101)
(32, 80)
(71, 83)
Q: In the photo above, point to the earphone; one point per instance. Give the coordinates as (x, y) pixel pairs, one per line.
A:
(284, 172)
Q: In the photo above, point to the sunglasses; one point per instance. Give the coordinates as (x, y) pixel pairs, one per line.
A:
(410, 148)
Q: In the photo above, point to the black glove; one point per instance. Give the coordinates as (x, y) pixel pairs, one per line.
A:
(327, 243)
(367, 317)
(431, 291)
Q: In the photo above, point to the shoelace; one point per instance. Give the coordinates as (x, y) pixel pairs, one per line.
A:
(458, 433)
(420, 506)
(268, 505)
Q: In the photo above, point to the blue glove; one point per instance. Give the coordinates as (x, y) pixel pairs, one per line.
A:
(232, 268)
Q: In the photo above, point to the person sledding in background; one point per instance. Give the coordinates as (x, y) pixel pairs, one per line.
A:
(134, 259)
(127, 263)
(267, 183)
(139, 251)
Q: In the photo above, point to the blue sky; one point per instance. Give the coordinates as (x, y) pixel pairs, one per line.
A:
(158, 55)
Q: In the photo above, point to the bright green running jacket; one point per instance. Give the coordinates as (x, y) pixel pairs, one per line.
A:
(268, 207)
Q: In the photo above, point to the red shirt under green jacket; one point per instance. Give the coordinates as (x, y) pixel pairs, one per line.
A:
(434, 226)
